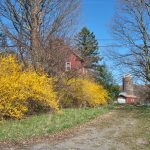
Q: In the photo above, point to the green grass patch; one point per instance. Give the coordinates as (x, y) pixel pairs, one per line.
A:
(140, 113)
(143, 115)
(47, 123)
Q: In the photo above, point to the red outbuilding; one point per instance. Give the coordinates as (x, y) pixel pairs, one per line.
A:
(124, 98)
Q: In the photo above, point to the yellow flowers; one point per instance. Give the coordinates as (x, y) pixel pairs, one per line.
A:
(18, 86)
(83, 92)
(94, 94)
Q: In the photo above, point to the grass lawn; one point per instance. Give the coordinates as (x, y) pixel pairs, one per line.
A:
(141, 114)
(47, 123)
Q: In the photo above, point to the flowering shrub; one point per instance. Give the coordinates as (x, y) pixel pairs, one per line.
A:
(17, 86)
(83, 92)
(94, 94)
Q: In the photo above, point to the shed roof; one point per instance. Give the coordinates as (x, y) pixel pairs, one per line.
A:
(127, 95)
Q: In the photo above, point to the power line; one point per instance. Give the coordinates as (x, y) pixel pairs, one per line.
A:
(113, 45)
(115, 39)
(13, 46)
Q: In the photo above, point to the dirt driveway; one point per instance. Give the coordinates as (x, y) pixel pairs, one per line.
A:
(117, 130)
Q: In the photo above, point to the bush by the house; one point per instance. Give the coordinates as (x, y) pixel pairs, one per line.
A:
(18, 86)
(78, 92)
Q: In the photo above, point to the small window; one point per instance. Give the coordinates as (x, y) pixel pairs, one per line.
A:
(68, 66)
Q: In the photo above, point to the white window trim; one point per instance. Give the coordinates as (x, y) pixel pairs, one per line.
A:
(68, 66)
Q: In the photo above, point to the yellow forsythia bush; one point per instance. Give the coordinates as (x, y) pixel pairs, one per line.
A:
(17, 86)
(83, 92)
(94, 94)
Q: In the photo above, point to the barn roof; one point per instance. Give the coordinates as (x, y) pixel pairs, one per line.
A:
(126, 95)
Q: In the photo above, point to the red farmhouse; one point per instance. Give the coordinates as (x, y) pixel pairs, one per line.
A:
(75, 63)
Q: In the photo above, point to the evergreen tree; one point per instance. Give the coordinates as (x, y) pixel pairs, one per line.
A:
(104, 77)
(87, 46)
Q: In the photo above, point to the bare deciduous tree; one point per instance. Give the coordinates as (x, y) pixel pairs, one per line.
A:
(29, 24)
(131, 27)
(55, 56)
(147, 5)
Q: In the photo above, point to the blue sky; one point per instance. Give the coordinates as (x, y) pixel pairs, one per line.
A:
(97, 15)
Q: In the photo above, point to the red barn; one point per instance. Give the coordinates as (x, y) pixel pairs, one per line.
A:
(124, 98)
(127, 96)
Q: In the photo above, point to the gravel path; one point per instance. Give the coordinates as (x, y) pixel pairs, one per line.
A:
(112, 131)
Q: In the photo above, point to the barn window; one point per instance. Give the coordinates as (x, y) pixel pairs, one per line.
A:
(68, 66)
